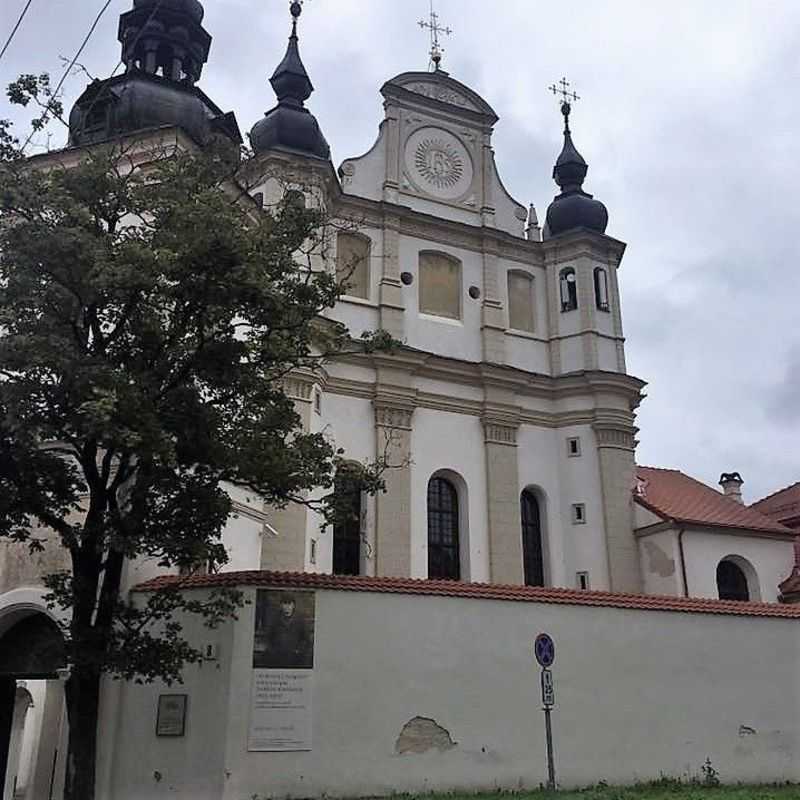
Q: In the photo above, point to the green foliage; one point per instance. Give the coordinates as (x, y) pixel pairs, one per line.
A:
(149, 313)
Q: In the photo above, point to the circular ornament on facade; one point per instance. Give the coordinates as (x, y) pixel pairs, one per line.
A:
(438, 163)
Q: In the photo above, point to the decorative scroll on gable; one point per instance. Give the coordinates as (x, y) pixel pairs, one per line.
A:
(443, 94)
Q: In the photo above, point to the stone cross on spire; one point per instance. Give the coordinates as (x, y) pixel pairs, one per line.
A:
(435, 28)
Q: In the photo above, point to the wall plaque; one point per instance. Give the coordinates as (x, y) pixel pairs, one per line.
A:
(171, 718)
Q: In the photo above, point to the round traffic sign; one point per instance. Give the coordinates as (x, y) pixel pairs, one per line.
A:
(544, 648)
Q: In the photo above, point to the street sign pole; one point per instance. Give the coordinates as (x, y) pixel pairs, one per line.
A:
(544, 650)
(551, 765)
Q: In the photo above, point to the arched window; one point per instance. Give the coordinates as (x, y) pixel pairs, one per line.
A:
(443, 546)
(440, 285)
(601, 289)
(520, 301)
(568, 284)
(532, 552)
(352, 264)
(347, 525)
(731, 581)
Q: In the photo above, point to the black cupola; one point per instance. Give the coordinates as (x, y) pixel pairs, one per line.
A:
(164, 49)
(290, 125)
(573, 208)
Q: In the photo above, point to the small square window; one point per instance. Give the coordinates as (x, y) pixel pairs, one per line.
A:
(318, 401)
(582, 580)
(578, 513)
(573, 447)
(313, 555)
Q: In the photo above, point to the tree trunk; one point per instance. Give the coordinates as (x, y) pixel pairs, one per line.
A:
(83, 703)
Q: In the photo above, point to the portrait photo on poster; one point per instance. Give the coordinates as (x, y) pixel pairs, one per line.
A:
(284, 630)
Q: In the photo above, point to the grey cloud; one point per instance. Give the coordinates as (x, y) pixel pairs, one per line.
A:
(688, 125)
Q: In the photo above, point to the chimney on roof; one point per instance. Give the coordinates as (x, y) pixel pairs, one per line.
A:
(731, 483)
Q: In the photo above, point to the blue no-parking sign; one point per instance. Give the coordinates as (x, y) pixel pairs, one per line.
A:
(544, 649)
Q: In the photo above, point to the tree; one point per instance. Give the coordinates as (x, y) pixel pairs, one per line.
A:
(149, 312)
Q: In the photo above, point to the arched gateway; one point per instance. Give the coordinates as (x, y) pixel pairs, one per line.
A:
(32, 655)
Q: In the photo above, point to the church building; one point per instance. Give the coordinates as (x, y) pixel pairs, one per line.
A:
(507, 416)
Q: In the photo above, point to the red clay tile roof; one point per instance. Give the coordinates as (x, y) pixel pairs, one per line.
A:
(783, 505)
(485, 591)
(675, 496)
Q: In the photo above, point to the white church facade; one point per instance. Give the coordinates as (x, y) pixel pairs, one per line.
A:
(513, 500)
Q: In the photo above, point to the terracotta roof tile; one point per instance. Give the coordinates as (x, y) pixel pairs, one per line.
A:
(783, 505)
(526, 594)
(675, 496)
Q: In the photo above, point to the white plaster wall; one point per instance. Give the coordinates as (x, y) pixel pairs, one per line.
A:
(538, 469)
(527, 351)
(459, 447)
(455, 338)
(580, 483)
(639, 694)
(572, 359)
(661, 566)
(350, 423)
(607, 354)
(771, 558)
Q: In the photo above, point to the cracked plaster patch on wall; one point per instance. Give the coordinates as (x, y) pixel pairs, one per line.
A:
(658, 561)
(421, 734)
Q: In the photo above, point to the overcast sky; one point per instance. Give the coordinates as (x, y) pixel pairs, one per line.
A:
(689, 120)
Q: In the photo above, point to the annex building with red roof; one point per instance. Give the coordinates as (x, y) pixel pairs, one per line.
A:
(696, 541)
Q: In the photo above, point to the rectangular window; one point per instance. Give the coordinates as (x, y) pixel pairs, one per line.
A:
(313, 555)
(318, 401)
(440, 285)
(520, 301)
(573, 447)
(582, 580)
(578, 514)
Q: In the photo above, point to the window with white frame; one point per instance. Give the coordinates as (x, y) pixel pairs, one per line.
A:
(568, 287)
(601, 289)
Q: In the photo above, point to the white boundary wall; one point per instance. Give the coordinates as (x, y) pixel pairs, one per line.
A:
(639, 693)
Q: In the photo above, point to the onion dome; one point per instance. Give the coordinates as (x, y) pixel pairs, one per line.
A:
(290, 126)
(164, 48)
(573, 208)
(191, 7)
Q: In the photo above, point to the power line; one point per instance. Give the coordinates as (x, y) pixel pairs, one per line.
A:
(16, 28)
(72, 64)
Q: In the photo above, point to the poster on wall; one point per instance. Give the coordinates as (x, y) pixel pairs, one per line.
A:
(283, 670)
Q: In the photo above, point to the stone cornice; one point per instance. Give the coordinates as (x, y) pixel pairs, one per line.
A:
(380, 214)
(397, 397)
(417, 363)
(583, 242)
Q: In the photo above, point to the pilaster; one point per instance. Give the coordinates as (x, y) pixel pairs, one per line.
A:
(616, 446)
(392, 307)
(493, 323)
(502, 479)
(286, 552)
(393, 507)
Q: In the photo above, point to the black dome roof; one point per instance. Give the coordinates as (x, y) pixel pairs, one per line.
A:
(290, 125)
(137, 102)
(573, 208)
(191, 7)
(164, 48)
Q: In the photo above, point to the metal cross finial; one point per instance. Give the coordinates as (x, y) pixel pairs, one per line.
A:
(435, 28)
(567, 98)
(295, 9)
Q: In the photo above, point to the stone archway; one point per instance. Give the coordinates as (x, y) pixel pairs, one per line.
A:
(31, 649)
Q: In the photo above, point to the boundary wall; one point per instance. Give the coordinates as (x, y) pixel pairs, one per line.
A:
(423, 685)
